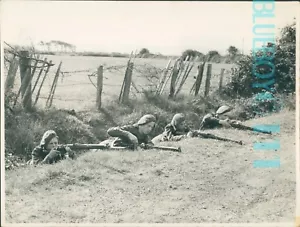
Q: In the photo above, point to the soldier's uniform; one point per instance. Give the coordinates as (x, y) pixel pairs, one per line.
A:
(172, 132)
(40, 155)
(211, 121)
(124, 134)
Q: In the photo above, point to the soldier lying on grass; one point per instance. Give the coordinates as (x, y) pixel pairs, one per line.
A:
(133, 136)
(218, 119)
(177, 130)
(48, 152)
(174, 131)
(211, 121)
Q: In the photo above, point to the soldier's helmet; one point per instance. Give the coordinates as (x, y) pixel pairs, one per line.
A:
(223, 109)
(205, 120)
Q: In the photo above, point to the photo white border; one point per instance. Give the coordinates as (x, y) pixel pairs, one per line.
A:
(284, 224)
(266, 224)
(297, 136)
(2, 123)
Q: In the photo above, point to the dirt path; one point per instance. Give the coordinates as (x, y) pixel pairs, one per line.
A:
(210, 181)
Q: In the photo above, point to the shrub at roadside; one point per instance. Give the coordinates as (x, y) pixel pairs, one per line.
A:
(284, 61)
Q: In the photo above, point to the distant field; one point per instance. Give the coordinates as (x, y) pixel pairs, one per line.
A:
(75, 90)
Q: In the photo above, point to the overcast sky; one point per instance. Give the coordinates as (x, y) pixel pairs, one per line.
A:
(165, 27)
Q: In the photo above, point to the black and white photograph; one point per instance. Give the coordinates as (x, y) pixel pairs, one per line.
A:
(141, 112)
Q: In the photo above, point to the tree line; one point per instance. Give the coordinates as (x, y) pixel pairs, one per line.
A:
(57, 45)
(233, 54)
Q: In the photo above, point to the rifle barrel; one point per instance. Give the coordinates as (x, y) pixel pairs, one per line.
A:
(176, 149)
(101, 146)
(86, 146)
(244, 127)
(208, 135)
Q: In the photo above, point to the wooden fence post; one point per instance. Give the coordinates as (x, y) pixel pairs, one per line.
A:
(183, 65)
(99, 86)
(174, 75)
(128, 77)
(126, 72)
(185, 75)
(199, 78)
(207, 82)
(135, 87)
(11, 75)
(30, 79)
(163, 78)
(41, 85)
(25, 73)
(53, 88)
(55, 85)
(193, 88)
(221, 79)
(39, 75)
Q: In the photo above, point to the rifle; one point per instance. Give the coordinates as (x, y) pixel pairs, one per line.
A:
(244, 127)
(77, 146)
(211, 136)
(164, 148)
(175, 149)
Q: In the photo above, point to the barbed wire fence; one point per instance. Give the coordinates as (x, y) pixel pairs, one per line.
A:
(88, 87)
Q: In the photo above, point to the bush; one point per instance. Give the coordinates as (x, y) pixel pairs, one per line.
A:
(284, 61)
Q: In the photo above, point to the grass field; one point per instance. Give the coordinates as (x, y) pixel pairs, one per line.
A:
(76, 91)
(210, 181)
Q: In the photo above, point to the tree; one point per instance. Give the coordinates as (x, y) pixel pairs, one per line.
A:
(212, 54)
(144, 51)
(284, 62)
(59, 46)
(191, 53)
(232, 51)
(285, 59)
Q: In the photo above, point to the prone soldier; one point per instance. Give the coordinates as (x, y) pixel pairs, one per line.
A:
(212, 120)
(133, 136)
(48, 151)
(177, 130)
(174, 131)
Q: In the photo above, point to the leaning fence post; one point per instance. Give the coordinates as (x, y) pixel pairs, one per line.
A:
(51, 95)
(11, 75)
(54, 89)
(127, 84)
(41, 85)
(207, 82)
(174, 75)
(163, 78)
(24, 63)
(25, 73)
(39, 75)
(221, 79)
(30, 79)
(99, 86)
(199, 78)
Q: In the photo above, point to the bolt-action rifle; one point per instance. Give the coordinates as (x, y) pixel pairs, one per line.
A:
(244, 127)
(211, 136)
(77, 146)
(165, 148)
